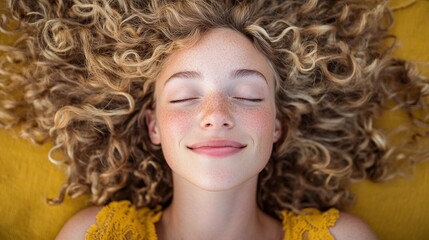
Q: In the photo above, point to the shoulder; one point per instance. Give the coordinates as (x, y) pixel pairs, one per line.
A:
(349, 226)
(115, 219)
(76, 227)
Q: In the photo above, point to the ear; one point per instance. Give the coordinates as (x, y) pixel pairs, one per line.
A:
(152, 127)
(277, 130)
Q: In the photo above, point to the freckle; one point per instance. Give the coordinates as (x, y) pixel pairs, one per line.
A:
(215, 103)
(258, 121)
(176, 121)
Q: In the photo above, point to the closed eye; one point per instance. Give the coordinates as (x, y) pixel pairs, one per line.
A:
(249, 99)
(182, 100)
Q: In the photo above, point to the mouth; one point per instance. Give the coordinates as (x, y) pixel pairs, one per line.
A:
(217, 148)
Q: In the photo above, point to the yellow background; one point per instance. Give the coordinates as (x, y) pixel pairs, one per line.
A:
(396, 209)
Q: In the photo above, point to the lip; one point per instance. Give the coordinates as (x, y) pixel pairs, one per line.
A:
(217, 148)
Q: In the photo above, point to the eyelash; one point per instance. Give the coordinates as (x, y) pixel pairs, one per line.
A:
(249, 99)
(182, 100)
(238, 98)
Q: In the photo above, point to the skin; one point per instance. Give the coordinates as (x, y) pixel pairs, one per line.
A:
(222, 88)
(207, 92)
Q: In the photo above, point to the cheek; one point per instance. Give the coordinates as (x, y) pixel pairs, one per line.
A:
(260, 122)
(174, 123)
(173, 126)
(261, 126)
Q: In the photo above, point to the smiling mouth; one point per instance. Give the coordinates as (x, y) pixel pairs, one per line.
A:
(217, 148)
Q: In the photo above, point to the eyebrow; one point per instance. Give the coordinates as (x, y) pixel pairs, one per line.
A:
(235, 74)
(248, 73)
(184, 74)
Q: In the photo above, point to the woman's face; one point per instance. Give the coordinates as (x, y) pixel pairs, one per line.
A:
(215, 115)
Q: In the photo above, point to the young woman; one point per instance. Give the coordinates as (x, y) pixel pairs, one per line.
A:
(210, 119)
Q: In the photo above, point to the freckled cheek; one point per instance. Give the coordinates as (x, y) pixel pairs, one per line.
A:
(261, 125)
(260, 122)
(174, 122)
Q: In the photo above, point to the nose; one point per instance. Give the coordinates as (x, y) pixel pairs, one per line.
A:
(216, 113)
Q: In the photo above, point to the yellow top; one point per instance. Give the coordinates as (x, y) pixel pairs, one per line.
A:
(121, 220)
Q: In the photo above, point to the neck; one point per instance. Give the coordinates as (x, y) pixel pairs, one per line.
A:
(231, 214)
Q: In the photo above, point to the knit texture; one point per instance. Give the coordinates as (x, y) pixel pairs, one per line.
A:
(122, 221)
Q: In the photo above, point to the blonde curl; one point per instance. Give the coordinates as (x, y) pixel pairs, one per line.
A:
(83, 72)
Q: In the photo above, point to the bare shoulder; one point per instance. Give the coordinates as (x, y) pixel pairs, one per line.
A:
(76, 227)
(351, 227)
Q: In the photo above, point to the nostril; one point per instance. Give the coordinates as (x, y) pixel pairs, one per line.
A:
(209, 125)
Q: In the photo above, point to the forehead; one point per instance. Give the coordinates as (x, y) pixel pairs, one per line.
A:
(218, 51)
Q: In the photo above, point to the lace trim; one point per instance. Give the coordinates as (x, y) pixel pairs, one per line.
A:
(311, 224)
(121, 220)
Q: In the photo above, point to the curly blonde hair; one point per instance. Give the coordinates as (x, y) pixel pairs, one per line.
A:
(82, 73)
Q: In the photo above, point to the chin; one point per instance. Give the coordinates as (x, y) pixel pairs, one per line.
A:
(223, 182)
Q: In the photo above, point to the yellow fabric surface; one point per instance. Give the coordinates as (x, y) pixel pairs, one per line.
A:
(395, 210)
(399, 209)
(121, 220)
